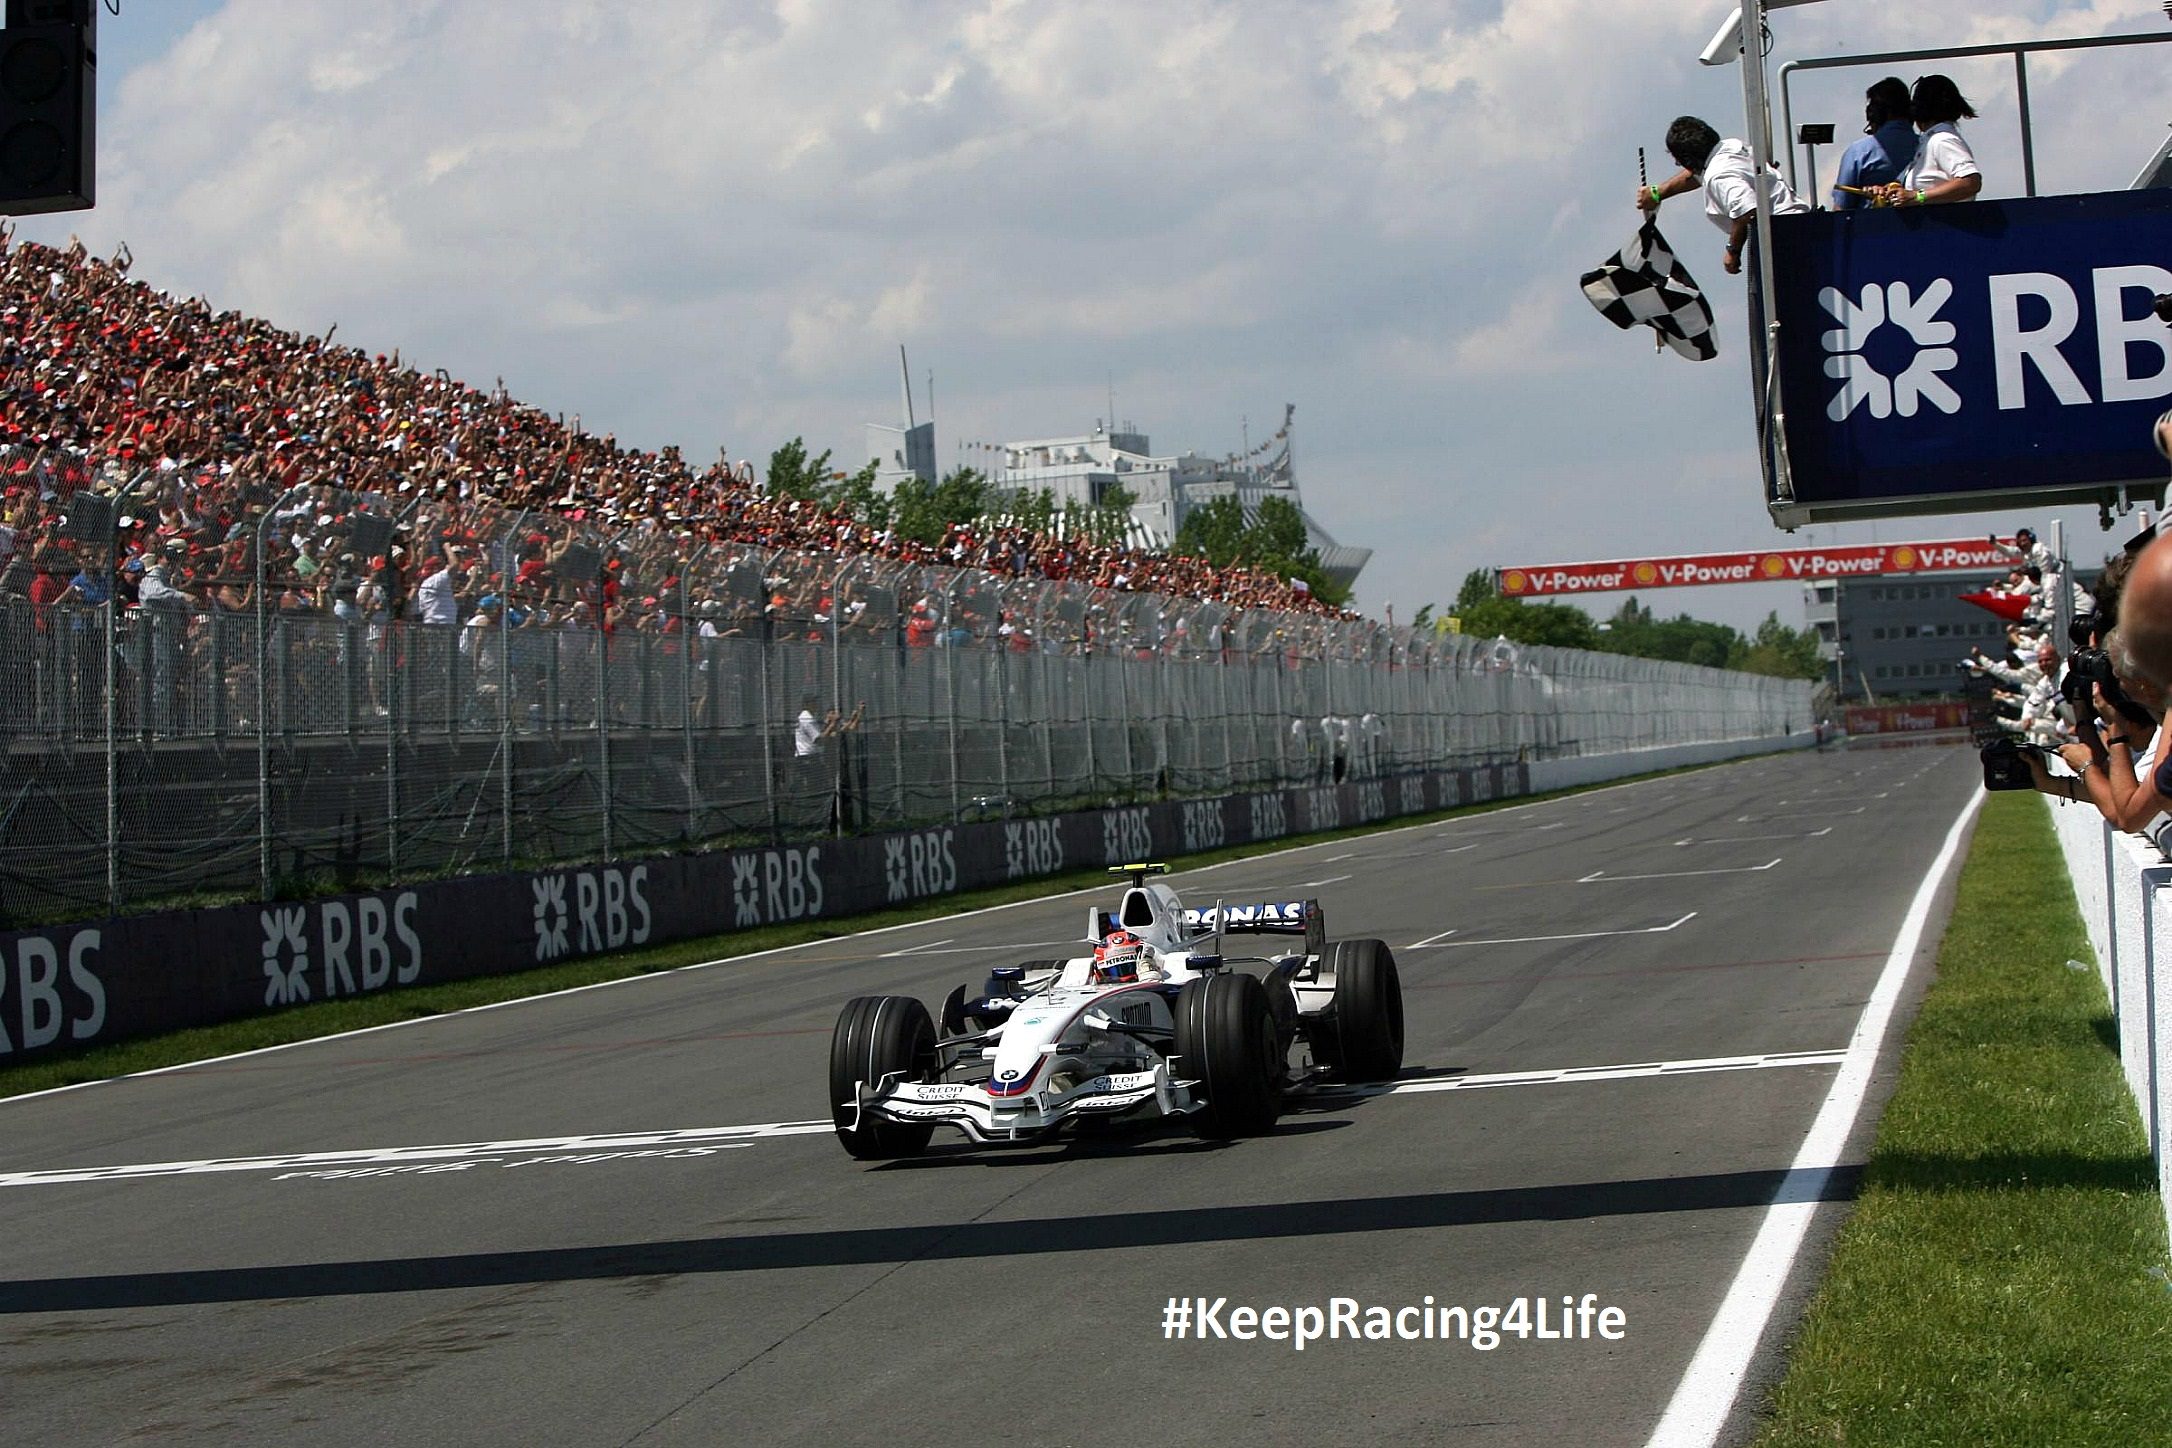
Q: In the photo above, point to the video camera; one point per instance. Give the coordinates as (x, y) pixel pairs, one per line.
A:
(2006, 763)
(2092, 669)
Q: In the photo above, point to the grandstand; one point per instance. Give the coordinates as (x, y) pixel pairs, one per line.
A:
(191, 421)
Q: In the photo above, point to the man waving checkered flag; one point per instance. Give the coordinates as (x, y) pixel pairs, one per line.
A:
(1644, 282)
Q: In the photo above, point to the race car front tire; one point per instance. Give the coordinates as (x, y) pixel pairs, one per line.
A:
(878, 1036)
(1364, 1042)
(1227, 1042)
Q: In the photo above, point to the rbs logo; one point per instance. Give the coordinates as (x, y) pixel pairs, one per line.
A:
(2033, 317)
(1860, 382)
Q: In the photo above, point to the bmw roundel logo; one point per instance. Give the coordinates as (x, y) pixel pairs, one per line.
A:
(1006, 1076)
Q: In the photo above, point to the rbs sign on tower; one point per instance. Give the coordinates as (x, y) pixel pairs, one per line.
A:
(1976, 353)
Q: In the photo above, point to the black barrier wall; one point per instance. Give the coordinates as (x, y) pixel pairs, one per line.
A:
(76, 985)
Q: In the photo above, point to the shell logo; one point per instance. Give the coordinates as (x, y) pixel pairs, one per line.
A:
(1905, 557)
(1772, 565)
(1514, 581)
(1645, 573)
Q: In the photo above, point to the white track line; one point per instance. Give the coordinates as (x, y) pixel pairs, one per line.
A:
(1753, 839)
(743, 957)
(915, 949)
(729, 1137)
(396, 1155)
(1597, 877)
(1330, 880)
(1533, 939)
(1813, 814)
(978, 949)
(1698, 1412)
(1427, 1086)
(1422, 944)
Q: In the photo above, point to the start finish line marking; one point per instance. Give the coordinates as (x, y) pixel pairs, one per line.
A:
(699, 1142)
(420, 1160)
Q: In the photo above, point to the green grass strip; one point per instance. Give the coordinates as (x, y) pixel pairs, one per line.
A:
(352, 1013)
(2002, 1277)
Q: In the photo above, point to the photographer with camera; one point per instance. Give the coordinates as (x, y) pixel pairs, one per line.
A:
(2118, 712)
(2114, 762)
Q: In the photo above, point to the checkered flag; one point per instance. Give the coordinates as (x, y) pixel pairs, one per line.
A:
(1643, 282)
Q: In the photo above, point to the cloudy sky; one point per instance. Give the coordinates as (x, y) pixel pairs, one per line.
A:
(711, 222)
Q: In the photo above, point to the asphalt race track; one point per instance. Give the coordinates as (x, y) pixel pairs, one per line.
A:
(639, 1229)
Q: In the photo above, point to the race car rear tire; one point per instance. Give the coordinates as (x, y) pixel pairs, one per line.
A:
(1226, 1041)
(1364, 1042)
(876, 1036)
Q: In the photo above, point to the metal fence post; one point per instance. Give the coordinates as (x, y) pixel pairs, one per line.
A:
(897, 725)
(1085, 682)
(841, 746)
(1047, 712)
(113, 756)
(263, 737)
(603, 722)
(769, 734)
(1123, 686)
(1003, 723)
(1221, 684)
(950, 678)
(689, 639)
(505, 560)
(392, 630)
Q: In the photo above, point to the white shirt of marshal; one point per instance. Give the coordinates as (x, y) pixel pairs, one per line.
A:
(1942, 155)
(1730, 187)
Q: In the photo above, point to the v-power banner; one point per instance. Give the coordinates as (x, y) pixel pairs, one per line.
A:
(1767, 565)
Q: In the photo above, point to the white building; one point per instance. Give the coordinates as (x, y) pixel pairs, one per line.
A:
(1081, 471)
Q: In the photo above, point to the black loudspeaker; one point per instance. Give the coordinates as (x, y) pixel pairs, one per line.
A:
(82, 14)
(48, 106)
(90, 519)
(368, 535)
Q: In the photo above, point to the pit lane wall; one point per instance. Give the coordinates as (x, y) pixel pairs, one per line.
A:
(2120, 883)
(71, 986)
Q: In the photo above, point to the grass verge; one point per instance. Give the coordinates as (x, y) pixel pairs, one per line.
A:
(2001, 1280)
(352, 1013)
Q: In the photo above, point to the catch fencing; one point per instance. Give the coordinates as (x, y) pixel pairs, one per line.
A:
(309, 688)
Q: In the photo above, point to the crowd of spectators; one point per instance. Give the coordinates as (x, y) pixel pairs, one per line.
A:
(393, 493)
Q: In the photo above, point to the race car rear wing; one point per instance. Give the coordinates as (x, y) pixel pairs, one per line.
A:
(1268, 917)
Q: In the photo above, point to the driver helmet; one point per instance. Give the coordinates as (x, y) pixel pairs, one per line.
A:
(1119, 956)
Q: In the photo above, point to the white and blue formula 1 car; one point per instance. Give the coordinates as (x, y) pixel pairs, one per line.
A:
(1152, 1019)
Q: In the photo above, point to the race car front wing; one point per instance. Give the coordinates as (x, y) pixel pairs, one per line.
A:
(989, 1118)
